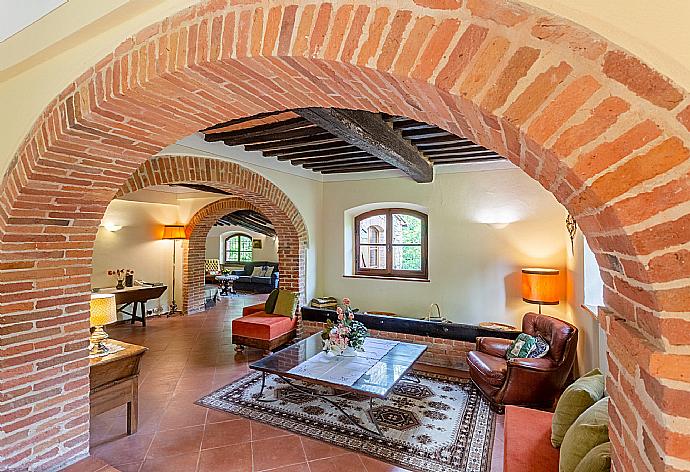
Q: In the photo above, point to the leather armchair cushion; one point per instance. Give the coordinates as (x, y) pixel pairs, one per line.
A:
(494, 346)
(491, 368)
(552, 330)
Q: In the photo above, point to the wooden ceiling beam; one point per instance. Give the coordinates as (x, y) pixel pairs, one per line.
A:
(450, 138)
(438, 152)
(274, 137)
(341, 163)
(239, 121)
(330, 157)
(238, 221)
(460, 155)
(260, 130)
(370, 133)
(366, 168)
(201, 188)
(313, 138)
(332, 152)
(468, 160)
(338, 145)
(425, 133)
(431, 147)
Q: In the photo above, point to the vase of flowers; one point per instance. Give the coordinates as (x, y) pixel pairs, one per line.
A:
(345, 336)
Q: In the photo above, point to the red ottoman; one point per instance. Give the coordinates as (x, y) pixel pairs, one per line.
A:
(527, 441)
(261, 330)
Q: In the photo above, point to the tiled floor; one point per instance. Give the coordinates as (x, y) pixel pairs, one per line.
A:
(187, 358)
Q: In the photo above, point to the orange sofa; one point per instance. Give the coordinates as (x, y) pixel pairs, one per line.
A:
(527, 441)
(258, 329)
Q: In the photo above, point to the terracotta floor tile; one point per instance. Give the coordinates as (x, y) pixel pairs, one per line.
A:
(226, 433)
(373, 465)
(320, 450)
(90, 464)
(124, 449)
(176, 441)
(216, 416)
(182, 414)
(304, 467)
(263, 431)
(178, 463)
(349, 462)
(236, 458)
(131, 467)
(277, 452)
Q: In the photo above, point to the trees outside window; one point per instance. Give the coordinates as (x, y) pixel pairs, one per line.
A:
(238, 248)
(391, 242)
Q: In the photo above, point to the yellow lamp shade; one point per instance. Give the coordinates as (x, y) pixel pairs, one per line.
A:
(102, 309)
(540, 286)
(174, 232)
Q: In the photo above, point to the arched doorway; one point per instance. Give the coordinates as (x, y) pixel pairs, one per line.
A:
(591, 123)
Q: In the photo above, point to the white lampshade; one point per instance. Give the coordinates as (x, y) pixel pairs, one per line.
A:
(102, 309)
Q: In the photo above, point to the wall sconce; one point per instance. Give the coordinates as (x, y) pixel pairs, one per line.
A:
(498, 225)
(571, 226)
(112, 227)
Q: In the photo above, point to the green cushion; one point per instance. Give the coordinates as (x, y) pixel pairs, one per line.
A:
(589, 430)
(596, 460)
(526, 345)
(270, 304)
(286, 303)
(580, 395)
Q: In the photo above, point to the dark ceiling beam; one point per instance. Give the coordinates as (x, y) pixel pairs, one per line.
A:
(255, 217)
(202, 188)
(314, 138)
(451, 138)
(334, 153)
(239, 121)
(274, 137)
(454, 155)
(260, 130)
(431, 147)
(369, 132)
(437, 152)
(338, 145)
(424, 133)
(341, 162)
(330, 158)
(238, 221)
(468, 160)
(368, 168)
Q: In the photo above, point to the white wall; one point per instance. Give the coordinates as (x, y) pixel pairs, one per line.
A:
(474, 267)
(216, 239)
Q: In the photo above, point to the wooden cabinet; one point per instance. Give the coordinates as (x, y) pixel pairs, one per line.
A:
(115, 381)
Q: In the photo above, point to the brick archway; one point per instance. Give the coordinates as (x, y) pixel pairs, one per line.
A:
(606, 134)
(195, 250)
(255, 192)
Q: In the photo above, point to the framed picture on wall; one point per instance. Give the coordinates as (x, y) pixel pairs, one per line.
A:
(256, 244)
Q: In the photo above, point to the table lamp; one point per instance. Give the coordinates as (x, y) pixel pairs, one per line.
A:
(173, 232)
(540, 286)
(102, 312)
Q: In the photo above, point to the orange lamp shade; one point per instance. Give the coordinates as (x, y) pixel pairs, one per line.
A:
(540, 286)
(174, 232)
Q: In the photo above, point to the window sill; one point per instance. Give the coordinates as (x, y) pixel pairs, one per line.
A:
(379, 277)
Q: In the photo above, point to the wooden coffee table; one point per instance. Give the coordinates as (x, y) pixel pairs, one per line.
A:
(376, 381)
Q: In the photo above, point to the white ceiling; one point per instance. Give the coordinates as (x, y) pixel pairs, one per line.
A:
(18, 14)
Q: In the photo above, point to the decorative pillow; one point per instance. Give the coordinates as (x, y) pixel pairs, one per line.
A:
(286, 303)
(258, 272)
(268, 270)
(526, 345)
(580, 395)
(589, 430)
(596, 460)
(270, 304)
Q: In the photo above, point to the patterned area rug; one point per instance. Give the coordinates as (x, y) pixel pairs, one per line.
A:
(437, 425)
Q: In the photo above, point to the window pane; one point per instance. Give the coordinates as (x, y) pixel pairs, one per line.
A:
(245, 256)
(372, 230)
(232, 256)
(233, 243)
(407, 229)
(372, 257)
(407, 258)
(245, 243)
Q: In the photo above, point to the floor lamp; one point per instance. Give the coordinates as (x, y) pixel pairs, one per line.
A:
(174, 232)
(540, 286)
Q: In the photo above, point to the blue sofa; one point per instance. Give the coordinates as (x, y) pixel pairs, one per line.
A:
(247, 283)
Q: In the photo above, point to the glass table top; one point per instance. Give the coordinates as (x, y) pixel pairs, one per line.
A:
(377, 381)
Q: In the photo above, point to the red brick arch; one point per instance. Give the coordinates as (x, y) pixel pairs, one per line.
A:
(255, 192)
(605, 133)
(195, 250)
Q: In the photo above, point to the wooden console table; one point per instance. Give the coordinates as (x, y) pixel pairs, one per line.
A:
(138, 296)
(115, 381)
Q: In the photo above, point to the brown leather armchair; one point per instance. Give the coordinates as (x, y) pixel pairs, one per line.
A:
(525, 382)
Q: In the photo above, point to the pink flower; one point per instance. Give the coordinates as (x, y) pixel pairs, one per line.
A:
(351, 316)
(346, 301)
(338, 310)
(341, 316)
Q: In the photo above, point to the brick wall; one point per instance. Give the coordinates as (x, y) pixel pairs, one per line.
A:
(440, 352)
(604, 132)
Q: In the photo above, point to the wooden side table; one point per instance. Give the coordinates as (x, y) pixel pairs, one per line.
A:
(115, 381)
